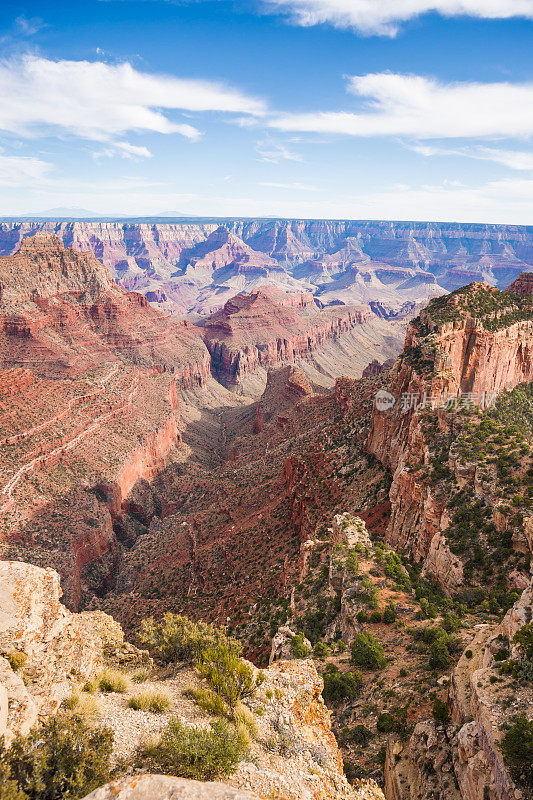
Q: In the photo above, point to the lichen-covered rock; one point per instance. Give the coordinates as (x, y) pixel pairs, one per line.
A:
(55, 646)
(297, 755)
(164, 787)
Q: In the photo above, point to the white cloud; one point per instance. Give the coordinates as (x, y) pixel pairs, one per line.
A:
(29, 26)
(124, 149)
(514, 159)
(18, 171)
(274, 152)
(384, 17)
(100, 101)
(423, 108)
(303, 187)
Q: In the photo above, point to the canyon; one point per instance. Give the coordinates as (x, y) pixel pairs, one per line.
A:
(279, 467)
(192, 267)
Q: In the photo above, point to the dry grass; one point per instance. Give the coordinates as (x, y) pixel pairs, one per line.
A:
(152, 700)
(112, 680)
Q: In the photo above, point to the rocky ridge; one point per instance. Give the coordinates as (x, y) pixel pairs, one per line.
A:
(196, 266)
(454, 359)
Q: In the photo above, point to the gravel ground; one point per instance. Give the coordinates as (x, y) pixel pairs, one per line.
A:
(131, 727)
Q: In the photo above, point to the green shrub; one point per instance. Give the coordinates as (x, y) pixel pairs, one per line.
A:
(112, 680)
(502, 654)
(375, 616)
(229, 676)
(62, 759)
(440, 711)
(320, 650)
(385, 722)
(209, 701)
(189, 752)
(177, 638)
(517, 748)
(439, 657)
(16, 659)
(150, 700)
(367, 651)
(360, 735)
(524, 639)
(340, 686)
(140, 676)
(389, 615)
(362, 616)
(298, 646)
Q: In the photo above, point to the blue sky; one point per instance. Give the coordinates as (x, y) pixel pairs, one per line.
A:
(378, 109)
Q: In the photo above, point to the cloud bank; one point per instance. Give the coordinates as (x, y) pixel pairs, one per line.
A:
(423, 108)
(104, 102)
(384, 17)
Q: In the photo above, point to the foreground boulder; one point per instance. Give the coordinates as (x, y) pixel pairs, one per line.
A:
(162, 787)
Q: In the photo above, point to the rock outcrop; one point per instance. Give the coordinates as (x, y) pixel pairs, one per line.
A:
(464, 760)
(163, 787)
(45, 647)
(267, 328)
(463, 349)
(522, 285)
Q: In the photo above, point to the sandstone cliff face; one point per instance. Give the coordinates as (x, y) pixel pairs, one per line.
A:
(91, 382)
(59, 647)
(267, 327)
(61, 311)
(460, 358)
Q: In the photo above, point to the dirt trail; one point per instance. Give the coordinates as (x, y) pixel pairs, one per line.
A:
(42, 459)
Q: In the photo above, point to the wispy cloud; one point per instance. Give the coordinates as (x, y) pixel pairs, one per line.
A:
(103, 102)
(303, 187)
(29, 26)
(423, 108)
(384, 17)
(123, 149)
(17, 171)
(514, 159)
(274, 151)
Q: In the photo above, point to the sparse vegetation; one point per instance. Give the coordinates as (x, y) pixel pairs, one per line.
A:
(150, 700)
(229, 676)
(189, 752)
(62, 759)
(16, 659)
(112, 680)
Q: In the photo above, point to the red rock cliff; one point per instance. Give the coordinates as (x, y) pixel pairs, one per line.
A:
(464, 355)
(269, 327)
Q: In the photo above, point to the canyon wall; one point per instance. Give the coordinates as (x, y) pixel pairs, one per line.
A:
(195, 266)
(463, 358)
(268, 327)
